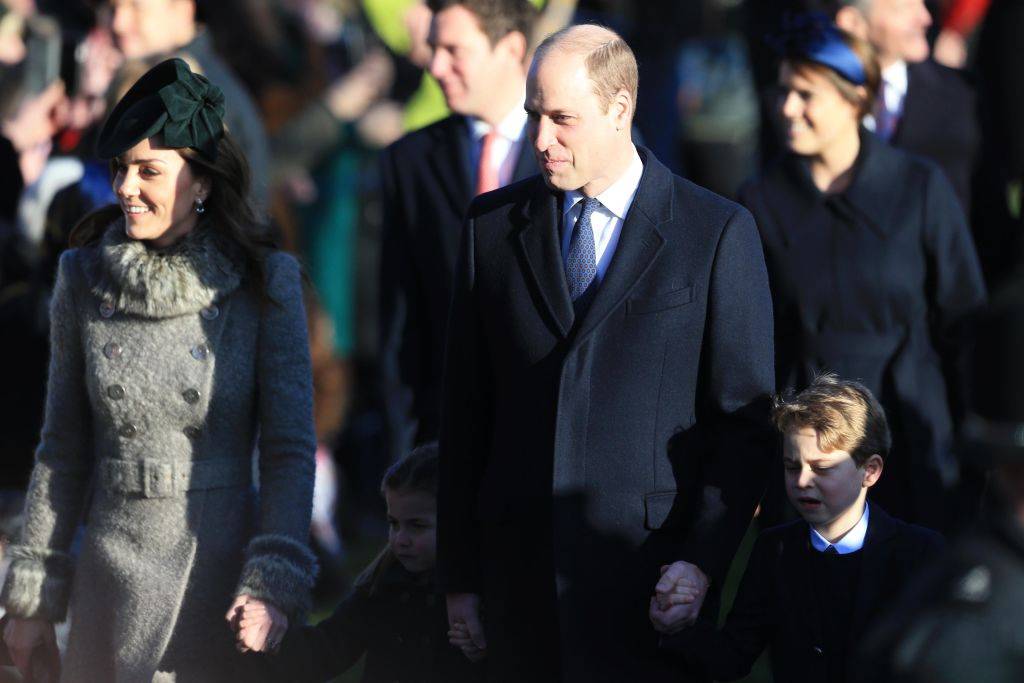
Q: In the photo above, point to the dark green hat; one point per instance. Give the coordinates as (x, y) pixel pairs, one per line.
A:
(170, 100)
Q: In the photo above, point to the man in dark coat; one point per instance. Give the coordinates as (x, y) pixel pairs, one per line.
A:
(429, 178)
(922, 107)
(609, 352)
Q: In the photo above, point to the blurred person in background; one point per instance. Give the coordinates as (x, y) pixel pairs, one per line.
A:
(160, 28)
(872, 268)
(479, 52)
(921, 106)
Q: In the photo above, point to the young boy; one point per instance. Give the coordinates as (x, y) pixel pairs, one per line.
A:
(811, 586)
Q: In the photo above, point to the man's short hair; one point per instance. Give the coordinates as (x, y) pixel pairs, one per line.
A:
(845, 415)
(497, 18)
(611, 64)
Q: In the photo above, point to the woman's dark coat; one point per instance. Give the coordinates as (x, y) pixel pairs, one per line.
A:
(875, 284)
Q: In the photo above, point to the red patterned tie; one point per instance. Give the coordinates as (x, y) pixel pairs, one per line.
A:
(487, 171)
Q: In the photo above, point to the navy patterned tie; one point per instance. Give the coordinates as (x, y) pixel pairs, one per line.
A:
(581, 266)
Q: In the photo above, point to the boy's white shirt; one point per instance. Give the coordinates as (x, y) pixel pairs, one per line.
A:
(851, 542)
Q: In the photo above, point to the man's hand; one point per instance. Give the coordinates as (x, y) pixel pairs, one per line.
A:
(678, 597)
(466, 630)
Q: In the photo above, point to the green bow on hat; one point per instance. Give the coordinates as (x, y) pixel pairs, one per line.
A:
(170, 100)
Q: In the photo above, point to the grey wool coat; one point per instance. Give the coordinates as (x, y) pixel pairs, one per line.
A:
(166, 373)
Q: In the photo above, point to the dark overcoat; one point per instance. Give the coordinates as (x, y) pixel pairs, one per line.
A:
(776, 605)
(875, 284)
(939, 122)
(397, 621)
(427, 186)
(580, 454)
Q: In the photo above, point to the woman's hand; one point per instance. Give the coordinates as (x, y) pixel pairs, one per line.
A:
(259, 625)
(23, 636)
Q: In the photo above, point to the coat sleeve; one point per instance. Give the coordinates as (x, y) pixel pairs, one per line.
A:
(955, 284)
(465, 419)
(737, 378)
(319, 653)
(729, 653)
(279, 566)
(401, 366)
(38, 583)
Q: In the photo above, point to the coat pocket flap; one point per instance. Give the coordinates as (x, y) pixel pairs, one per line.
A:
(660, 302)
(658, 508)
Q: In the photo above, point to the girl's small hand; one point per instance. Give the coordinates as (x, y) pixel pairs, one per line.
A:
(261, 626)
(460, 638)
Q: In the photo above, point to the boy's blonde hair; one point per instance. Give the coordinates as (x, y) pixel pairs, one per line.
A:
(844, 414)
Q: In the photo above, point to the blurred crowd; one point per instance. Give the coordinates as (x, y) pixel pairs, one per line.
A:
(316, 89)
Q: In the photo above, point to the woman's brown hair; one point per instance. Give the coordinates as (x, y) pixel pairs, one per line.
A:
(864, 101)
(228, 208)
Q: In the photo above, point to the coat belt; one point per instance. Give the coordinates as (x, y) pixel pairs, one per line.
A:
(167, 479)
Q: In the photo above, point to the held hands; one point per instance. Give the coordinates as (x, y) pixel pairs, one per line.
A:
(466, 630)
(23, 636)
(678, 597)
(258, 625)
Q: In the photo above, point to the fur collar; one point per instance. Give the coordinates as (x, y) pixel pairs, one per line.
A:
(162, 283)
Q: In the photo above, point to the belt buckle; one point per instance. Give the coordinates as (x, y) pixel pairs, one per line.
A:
(157, 479)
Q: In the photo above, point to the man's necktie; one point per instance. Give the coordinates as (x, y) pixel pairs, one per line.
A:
(885, 120)
(581, 267)
(487, 171)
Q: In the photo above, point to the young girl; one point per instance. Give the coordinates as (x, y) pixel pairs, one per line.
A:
(393, 615)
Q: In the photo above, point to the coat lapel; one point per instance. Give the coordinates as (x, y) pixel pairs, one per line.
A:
(543, 255)
(449, 158)
(639, 242)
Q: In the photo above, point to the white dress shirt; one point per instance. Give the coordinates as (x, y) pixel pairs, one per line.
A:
(889, 106)
(607, 218)
(851, 542)
(505, 150)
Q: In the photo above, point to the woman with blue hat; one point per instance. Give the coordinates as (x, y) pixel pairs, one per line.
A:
(872, 268)
(178, 348)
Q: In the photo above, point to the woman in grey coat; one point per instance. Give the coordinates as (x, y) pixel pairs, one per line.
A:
(178, 347)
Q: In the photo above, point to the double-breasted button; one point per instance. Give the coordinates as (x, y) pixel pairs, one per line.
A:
(192, 432)
(210, 312)
(128, 430)
(200, 351)
(190, 396)
(115, 392)
(112, 350)
(106, 309)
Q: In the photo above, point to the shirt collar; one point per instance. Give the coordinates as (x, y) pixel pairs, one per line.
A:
(618, 197)
(851, 542)
(511, 127)
(895, 76)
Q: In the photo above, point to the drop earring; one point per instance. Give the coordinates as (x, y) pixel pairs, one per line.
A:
(199, 206)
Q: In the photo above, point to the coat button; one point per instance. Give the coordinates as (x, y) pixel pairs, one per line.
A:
(112, 350)
(210, 312)
(818, 650)
(200, 351)
(115, 392)
(106, 309)
(128, 430)
(401, 640)
(190, 396)
(192, 432)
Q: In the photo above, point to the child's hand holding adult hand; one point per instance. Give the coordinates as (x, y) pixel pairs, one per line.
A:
(464, 614)
(259, 625)
(459, 636)
(678, 597)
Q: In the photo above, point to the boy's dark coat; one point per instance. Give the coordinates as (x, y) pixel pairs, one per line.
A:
(775, 605)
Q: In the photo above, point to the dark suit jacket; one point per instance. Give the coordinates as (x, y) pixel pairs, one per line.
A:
(579, 454)
(427, 187)
(877, 284)
(939, 122)
(776, 606)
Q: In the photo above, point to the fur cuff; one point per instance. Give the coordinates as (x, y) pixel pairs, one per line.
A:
(280, 570)
(38, 583)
